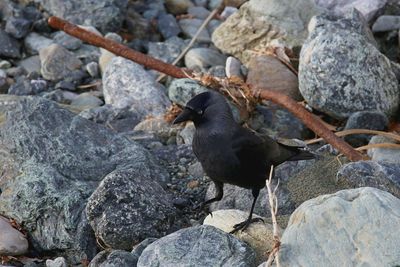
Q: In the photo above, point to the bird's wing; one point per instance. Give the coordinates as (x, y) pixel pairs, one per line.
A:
(247, 146)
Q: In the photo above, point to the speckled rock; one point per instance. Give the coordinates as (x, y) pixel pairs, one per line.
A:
(9, 47)
(369, 8)
(127, 207)
(259, 22)
(50, 58)
(382, 175)
(354, 221)
(105, 15)
(56, 178)
(181, 91)
(338, 83)
(178, 249)
(127, 84)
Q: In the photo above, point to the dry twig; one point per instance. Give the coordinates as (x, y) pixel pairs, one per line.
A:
(307, 118)
(193, 40)
(273, 204)
(358, 131)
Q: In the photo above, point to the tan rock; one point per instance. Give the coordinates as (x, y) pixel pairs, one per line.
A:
(258, 235)
(268, 71)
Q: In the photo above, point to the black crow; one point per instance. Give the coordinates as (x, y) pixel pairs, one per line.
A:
(230, 153)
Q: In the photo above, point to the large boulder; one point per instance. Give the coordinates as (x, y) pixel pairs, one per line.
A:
(356, 227)
(259, 22)
(52, 161)
(341, 70)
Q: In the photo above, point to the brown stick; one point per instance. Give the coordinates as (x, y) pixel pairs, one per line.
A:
(307, 118)
(312, 122)
(117, 48)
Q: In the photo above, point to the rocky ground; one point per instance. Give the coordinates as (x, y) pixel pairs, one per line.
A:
(93, 174)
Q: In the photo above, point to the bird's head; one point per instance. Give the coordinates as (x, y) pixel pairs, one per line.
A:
(204, 107)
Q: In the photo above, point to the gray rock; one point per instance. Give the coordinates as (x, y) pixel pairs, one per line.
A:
(57, 262)
(180, 91)
(386, 23)
(127, 207)
(178, 7)
(105, 15)
(338, 83)
(3, 82)
(88, 53)
(67, 41)
(186, 135)
(369, 8)
(167, 51)
(168, 26)
(30, 64)
(9, 47)
(121, 120)
(45, 184)
(201, 59)
(86, 101)
(114, 258)
(196, 246)
(228, 11)
(213, 25)
(127, 84)
(381, 175)
(217, 71)
(50, 58)
(259, 22)
(354, 221)
(138, 249)
(213, 4)
(278, 122)
(12, 241)
(34, 42)
(21, 87)
(189, 28)
(372, 120)
(198, 12)
(196, 170)
(384, 154)
(93, 69)
(18, 27)
(60, 96)
(233, 68)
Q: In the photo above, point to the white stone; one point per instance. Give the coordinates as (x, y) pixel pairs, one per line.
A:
(356, 227)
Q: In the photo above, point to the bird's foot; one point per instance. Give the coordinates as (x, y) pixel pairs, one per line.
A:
(243, 225)
(201, 207)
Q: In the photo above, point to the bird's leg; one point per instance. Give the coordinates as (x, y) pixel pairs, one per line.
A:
(219, 187)
(243, 225)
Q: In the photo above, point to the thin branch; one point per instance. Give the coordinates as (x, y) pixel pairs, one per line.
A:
(381, 145)
(193, 40)
(118, 49)
(358, 131)
(273, 205)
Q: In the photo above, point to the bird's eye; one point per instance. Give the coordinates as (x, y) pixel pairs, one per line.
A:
(200, 112)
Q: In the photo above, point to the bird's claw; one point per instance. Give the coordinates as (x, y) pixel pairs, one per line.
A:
(243, 225)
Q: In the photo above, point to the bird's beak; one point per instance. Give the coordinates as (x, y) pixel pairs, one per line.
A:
(185, 115)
